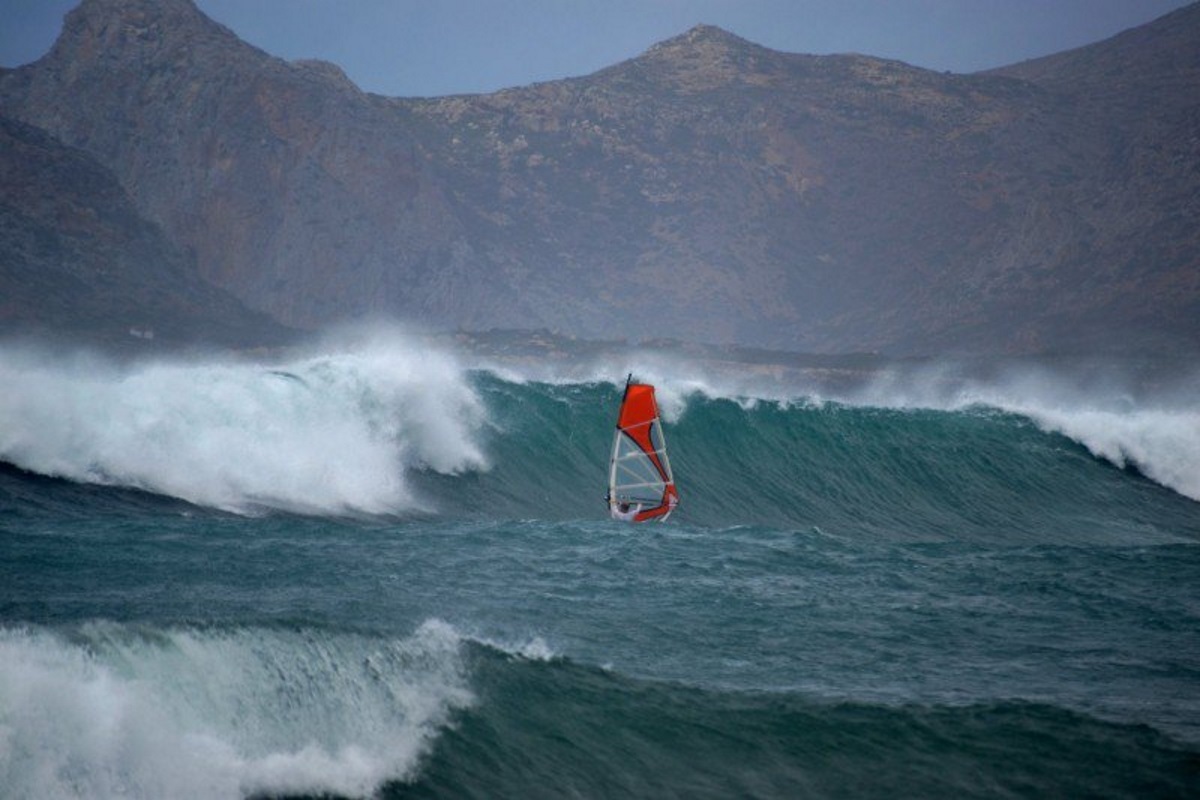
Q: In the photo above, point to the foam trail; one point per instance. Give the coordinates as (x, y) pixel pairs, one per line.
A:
(114, 712)
(330, 432)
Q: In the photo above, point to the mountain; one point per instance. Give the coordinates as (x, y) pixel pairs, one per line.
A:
(709, 189)
(77, 261)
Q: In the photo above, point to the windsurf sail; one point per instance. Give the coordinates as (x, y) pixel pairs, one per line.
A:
(640, 484)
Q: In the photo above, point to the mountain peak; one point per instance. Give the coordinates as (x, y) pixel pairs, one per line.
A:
(707, 57)
(103, 29)
(137, 15)
(711, 34)
(701, 38)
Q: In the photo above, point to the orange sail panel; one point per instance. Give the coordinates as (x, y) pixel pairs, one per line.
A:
(640, 484)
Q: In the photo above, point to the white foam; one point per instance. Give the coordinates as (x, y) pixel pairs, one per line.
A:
(189, 713)
(1163, 444)
(329, 432)
(533, 648)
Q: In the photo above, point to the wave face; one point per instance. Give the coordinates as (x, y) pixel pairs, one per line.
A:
(971, 471)
(554, 729)
(378, 570)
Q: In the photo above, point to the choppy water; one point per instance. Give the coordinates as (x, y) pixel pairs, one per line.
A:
(373, 571)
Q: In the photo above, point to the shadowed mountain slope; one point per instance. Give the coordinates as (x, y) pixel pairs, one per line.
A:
(77, 261)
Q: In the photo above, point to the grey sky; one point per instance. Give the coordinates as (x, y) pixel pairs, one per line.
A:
(437, 47)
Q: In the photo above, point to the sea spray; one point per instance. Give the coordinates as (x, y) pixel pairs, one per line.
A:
(330, 432)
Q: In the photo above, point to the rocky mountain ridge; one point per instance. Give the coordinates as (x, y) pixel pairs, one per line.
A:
(709, 189)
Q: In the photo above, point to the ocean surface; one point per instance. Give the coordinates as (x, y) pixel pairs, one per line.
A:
(381, 570)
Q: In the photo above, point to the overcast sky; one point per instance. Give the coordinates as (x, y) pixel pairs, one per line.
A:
(439, 47)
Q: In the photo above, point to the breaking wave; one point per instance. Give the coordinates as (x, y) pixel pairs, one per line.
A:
(331, 432)
(389, 425)
(108, 710)
(1158, 433)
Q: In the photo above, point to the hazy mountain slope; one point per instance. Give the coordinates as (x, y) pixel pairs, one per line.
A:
(759, 195)
(709, 189)
(77, 261)
(1134, 104)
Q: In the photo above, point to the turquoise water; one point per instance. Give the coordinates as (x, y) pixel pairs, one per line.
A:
(380, 573)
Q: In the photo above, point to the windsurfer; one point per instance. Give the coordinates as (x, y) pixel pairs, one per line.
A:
(638, 471)
(624, 512)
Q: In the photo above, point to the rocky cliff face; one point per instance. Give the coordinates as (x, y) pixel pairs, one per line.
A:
(77, 261)
(709, 189)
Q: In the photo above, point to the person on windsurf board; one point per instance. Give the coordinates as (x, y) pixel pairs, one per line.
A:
(640, 484)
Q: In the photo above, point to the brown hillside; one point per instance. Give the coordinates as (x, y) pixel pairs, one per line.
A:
(709, 189)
